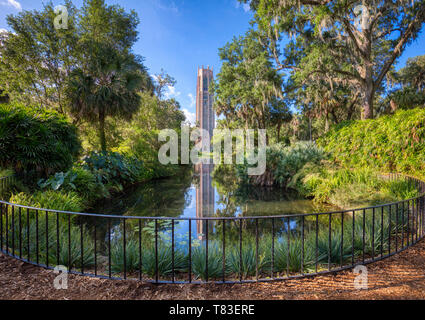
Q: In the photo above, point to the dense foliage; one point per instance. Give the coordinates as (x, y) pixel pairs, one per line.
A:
(248, 88)
(283, 162)
(97, 176)
(333, 43)
(350, 189)
(33, 139)
(110, 167)
(139, 138)
(54, 200)
(389, 143)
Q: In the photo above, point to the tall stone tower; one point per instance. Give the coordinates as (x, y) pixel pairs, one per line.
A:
(205, 117)
(204, 100)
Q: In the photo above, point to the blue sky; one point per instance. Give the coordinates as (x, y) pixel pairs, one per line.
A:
(180, 35)
(176, 35)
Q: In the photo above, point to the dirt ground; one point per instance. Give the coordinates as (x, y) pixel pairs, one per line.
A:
(399, 277)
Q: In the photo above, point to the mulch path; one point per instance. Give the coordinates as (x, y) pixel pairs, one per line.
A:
(399, 277)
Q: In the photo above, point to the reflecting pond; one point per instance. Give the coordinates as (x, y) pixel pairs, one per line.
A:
(195, 194)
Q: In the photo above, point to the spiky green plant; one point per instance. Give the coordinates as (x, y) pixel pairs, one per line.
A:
(215, 262)
(333, 247)
(165, 261)
(249, 259)
(292, 258)
(132, 258)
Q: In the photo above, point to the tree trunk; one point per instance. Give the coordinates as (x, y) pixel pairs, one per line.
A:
(327, 122)
(368, 88)
(368, 102)
(309, 129)
(334, 117)
(352, 107)
(279, 125)
(102, 130)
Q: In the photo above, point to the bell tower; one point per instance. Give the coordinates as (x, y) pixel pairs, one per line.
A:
(204, 100)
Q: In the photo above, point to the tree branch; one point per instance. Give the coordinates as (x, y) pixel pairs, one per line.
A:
(399, 47)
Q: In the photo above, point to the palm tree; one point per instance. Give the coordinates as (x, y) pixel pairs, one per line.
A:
(108, 85)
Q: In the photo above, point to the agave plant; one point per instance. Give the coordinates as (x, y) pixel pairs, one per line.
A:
(132, 259)
(336, 250)
(288, 255)
(215, 262)
(165, 261)
(248, 255)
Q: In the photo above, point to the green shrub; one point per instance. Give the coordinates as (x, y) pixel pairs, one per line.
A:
(400, 189)
(215, 262)
(283, 163)
(54, 200)
(389, 143)
(351, 188)
(249, 259)
(36, 140)
(131, 256)
(165, 261)
(5, 172)
(114, 169)
(75, 245)
(79, 180)
(335, 247)
(292, 258)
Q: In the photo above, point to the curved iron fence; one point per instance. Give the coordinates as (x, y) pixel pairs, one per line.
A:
(226, 250)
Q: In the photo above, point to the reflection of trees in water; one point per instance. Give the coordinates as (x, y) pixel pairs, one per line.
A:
(225, 182)
(169, 198)
(161, 198)
(234, 199)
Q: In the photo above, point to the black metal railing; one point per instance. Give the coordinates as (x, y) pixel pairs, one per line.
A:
(213, 249)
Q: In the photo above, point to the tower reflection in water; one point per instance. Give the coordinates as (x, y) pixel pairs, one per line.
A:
(205, 199)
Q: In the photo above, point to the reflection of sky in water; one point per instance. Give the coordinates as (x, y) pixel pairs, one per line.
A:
(198, 198)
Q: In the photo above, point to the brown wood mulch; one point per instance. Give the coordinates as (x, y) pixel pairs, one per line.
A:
(399, 277)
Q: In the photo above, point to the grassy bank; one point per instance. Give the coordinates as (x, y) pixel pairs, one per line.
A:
(393, 143)
(351, 188)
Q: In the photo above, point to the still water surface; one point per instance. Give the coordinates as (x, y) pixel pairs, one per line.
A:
(197, 194)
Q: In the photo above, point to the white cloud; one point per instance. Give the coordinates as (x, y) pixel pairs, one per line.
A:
(190, 116)
(245, 6)
(170, 6)
(12, 3)
(171, 93)
(192, 100)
